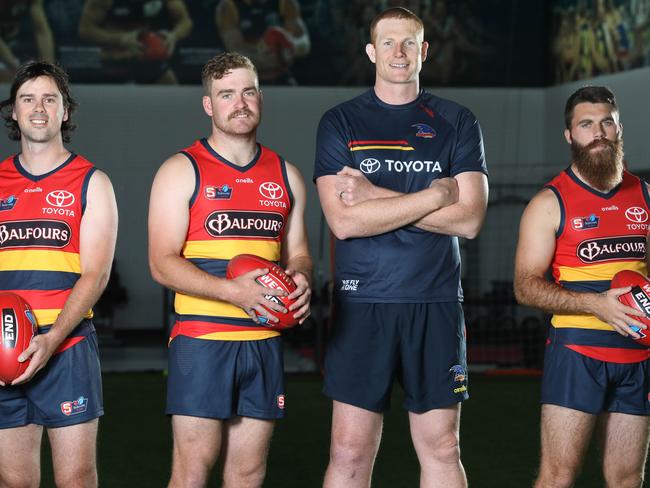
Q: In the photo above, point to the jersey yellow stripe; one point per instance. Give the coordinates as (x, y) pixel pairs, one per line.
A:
(190, 305)
(398, 148)
(228, 248)
(245, 335)
(579, 322)
(47, 316)
(39, 260)
(596, 272)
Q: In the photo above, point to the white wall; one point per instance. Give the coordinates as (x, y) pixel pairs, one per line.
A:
(128, 131)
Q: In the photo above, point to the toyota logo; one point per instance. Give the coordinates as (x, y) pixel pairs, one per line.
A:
(271, 190)
(60, 198)
(370, 165)
(636, 214)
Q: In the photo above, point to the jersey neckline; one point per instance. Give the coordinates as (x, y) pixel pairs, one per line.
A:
(29, 176)
(605, 195)
(242, 169)
(404, 106)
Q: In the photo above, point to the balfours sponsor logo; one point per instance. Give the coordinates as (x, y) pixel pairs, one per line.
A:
(244, 224)
(34, 233)
(611, 248)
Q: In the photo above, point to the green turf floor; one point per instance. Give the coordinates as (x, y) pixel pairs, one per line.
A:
(499, 436)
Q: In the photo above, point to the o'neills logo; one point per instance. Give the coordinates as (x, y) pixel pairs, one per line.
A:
(244, 224)
(9, 333)
(611, 248)
(34, 233)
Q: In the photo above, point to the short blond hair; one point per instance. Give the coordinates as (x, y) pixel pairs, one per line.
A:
(394, 13)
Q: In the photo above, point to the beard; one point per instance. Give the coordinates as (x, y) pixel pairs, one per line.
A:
(602, 169)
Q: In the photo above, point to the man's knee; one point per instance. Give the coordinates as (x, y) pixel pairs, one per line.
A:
(444, 449)
(557, 476)
(16, 479)
(81, 476)
(622, 476)
(249, 475)
(348, 450)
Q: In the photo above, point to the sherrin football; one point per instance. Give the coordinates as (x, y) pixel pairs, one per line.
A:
(276, 278)
(17, 327)
(638, 297)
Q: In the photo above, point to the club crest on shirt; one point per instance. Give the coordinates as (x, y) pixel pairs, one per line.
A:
(424, 131)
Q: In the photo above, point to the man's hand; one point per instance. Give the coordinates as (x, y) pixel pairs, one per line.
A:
(448, 190)
(608, 309)
(302, 295)
(39, 352)
(131, 45)
(249, 295)
(352, 186)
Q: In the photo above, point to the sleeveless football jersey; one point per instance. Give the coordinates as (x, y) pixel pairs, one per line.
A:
(599, 235)
(402, 148)
(234, 210)
(40, 220)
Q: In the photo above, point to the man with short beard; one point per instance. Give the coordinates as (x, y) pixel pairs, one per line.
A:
(593, 370)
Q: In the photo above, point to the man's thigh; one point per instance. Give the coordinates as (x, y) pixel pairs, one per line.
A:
(565, 435)
(74, 450)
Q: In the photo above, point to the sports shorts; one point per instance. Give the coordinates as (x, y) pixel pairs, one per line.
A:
(224, 379)
(576, 381)
(67, 391)
(420, 344)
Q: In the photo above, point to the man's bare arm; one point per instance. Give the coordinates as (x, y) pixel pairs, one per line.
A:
(535, 251)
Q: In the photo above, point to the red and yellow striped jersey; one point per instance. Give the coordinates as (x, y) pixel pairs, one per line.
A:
(599, 235)
(40, 220)
(234, 210)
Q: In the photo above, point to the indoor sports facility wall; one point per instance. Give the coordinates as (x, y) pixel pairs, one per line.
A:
(129, 130)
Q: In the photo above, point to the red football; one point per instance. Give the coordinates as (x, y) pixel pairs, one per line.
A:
(153, 45)
(276, 278)
(277, 41)
(638, 297)
(17, 327)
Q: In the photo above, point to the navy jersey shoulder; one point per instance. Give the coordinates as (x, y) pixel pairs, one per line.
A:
(402, 148)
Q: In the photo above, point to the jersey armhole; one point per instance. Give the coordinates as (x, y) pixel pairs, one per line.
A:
(560, 228)
(197, 177)
(84, 188)
(283, 167)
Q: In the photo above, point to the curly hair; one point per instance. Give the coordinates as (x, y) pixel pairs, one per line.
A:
(29, 71)
(221, 65)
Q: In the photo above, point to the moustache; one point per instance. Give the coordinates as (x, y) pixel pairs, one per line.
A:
(240, 112)
(600, 142)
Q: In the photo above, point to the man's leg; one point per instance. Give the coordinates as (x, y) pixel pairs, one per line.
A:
(624, 443)
(245, 449)
(196, 448)
(565, 436)
(356, 434)
(435, 437)
(20, 457)
(74, 454)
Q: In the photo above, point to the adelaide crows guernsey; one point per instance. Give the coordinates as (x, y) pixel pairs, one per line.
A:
(40, 220)
(599, 235)
(234, 210)
(403, 148)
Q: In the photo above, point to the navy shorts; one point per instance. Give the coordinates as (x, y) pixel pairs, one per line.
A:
(67, 391)
(576, 381)
(420, 344)
(224, 379)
